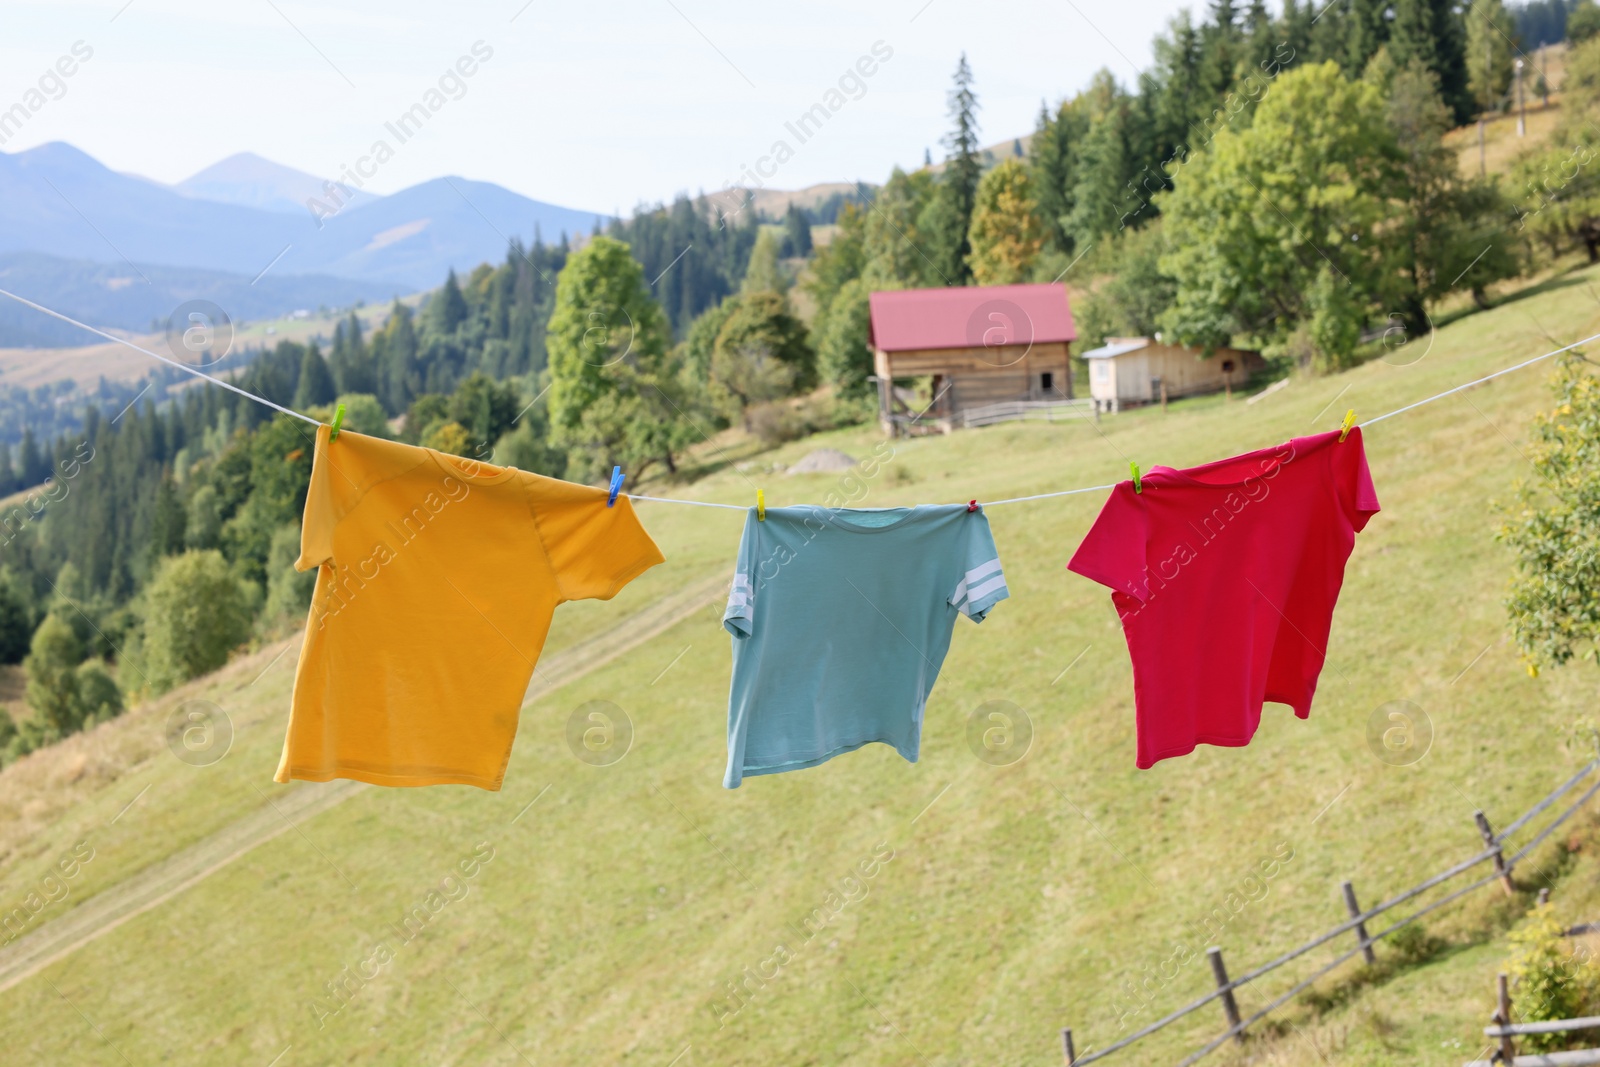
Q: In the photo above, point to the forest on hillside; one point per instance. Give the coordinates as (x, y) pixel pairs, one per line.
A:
(1274, 181)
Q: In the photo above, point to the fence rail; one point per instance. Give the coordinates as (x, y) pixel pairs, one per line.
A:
(1013, 410)
(1494, 850)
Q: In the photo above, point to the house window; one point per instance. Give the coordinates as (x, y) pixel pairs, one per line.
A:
(1101, 370)
(1227, 366)
(1046, 381)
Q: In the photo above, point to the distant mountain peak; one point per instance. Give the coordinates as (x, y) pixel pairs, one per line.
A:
(248, 180)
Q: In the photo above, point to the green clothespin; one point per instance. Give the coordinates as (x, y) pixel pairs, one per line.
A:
(338, 421)
(1349, 421)
(1138, 483)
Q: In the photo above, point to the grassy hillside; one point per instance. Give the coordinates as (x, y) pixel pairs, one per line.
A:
(620, 903)
(1501, 145)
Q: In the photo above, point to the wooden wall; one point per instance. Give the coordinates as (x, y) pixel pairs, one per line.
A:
(1012, 359)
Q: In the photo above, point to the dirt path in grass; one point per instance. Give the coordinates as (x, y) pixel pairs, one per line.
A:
(155, 885)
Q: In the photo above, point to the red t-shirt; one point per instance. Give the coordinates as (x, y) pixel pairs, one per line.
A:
(1225, 577)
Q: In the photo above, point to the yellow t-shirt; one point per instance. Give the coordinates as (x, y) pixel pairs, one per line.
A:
(436, 580)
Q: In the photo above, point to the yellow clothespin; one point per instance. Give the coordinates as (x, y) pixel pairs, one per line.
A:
(1349, 421)
(1138, 482)
(761, 505)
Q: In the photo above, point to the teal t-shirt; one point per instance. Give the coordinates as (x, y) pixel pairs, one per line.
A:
(840, 619)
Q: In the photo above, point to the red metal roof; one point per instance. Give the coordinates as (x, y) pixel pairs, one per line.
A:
(971, 317)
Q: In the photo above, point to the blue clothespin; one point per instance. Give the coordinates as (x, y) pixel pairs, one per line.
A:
(338, 421)
(616, 484)
(1349, 421)
(761, 505)
(1138, 482)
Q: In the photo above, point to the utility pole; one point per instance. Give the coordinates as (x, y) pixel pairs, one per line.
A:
(1522, 114)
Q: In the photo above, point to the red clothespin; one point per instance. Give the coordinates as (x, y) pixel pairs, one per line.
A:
(1349, 421)
(972, 505)
(616, 484)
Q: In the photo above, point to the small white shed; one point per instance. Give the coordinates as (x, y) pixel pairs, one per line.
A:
(1127, 371)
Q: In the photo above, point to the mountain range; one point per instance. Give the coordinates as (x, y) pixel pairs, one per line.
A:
(65, 218)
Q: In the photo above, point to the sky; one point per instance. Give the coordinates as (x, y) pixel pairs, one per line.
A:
(601, 106)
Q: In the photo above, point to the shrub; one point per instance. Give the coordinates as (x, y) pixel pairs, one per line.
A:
(196, 611)
(1550, 980)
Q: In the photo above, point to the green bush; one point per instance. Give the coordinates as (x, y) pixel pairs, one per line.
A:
(196, 611)
(67, 691)
(1549, 979)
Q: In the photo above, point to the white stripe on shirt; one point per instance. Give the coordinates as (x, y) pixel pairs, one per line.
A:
(973, 576)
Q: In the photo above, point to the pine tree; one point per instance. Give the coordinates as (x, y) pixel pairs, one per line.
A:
(1366, 29)
(1328, 34)
(397, 376)
(33, 468)
(1260, 35)
(1102, 201)
(958, 184)
(447, 309)
(796, 232)
(1180, 106)
(1052, 163)
(1490, 32)
(1220, 52)
(1295, 28)
(316, 385)
(1431, 31)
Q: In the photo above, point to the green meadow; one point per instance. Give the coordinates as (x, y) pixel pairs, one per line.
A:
(868, 911)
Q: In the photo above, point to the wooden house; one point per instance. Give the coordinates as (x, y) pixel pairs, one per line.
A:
(982, 345)
(1129, 371)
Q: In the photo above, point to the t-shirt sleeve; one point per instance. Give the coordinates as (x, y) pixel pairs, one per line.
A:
(1113, 553)
(739, 616)
(594, 550)
(1357, 495)
(982, 584)
(322, 511)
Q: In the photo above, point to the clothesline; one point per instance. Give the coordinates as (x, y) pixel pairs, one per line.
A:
(741, 507)
(1113, 485)
(157, 356)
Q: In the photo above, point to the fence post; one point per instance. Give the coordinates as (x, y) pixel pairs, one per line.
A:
(1502, 1017)
(1361, 928)
(1230, 1007)
(1544, 896)
(1499, 856)
(1066, 1046)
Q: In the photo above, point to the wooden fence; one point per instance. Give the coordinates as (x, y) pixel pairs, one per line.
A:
(1013, 410)
(1493, 853)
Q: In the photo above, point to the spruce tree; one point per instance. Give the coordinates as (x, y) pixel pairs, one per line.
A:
(1053, 177)
(1366, 30)
(34, 470)
(1490, 33)
(958, 184)
(796, 232)
(1431, 31)
(316, 385)
(447, 309)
